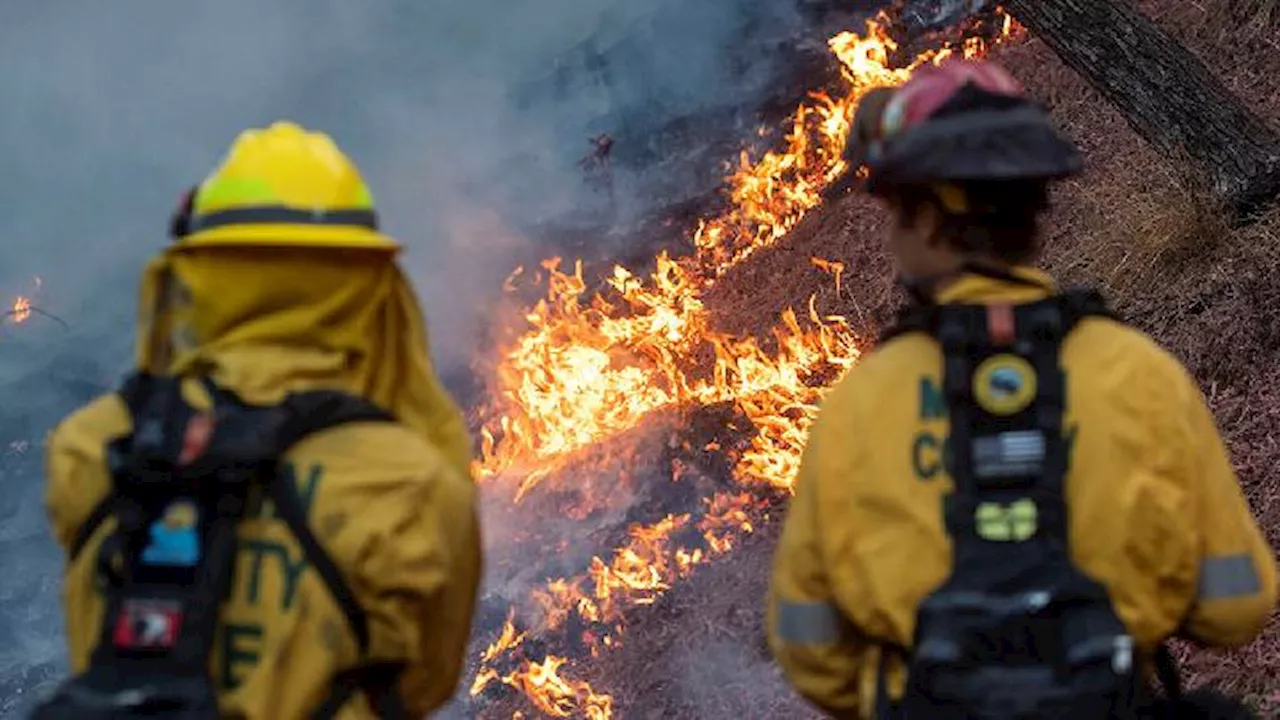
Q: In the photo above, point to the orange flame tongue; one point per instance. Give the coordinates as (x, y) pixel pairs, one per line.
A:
(21, 309)
(558, 697)
(592, 366)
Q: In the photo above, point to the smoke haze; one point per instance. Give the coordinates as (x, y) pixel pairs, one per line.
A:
(112, 109)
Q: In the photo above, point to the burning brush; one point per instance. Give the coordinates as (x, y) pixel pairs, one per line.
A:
(22, 309)
(575, 400)
(946, 22)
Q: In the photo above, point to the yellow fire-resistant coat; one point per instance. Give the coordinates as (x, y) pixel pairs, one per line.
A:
(393, 504)
(1156, 514)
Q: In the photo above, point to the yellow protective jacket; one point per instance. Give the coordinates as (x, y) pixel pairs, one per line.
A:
(1156, 513)
(392, 503)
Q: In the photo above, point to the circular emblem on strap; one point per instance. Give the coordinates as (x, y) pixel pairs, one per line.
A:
(1004, 384)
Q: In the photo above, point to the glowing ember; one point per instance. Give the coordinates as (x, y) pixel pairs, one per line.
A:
(834, 267)
(591, 366)
(21, 309)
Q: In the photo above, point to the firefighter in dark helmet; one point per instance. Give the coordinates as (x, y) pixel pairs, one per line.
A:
(339, 578)
(1008, 507)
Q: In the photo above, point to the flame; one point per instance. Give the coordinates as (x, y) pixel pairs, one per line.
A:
(591, 365)
(556, 696)
(835, 267)
(586, 370)
(507, 640)
(21, 309)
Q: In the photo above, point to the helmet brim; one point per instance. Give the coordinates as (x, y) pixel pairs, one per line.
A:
(1021, 145)
(292, 235)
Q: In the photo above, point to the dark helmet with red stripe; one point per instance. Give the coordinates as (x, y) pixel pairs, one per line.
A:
(960, 121)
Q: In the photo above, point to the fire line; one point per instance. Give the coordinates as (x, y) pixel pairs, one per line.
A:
(589, 368)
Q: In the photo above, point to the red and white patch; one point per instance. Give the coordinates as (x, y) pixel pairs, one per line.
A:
(932, 86)
(195, 440)
(148, 624)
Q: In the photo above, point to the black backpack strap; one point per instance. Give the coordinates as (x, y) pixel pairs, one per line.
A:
(306, 413)
(99, 515)
(232, 448)
(1080, 303)
(1034, 332)
(298, 416)
(132, 392)
(311, 413)
(1076, 304)
(1016, 628)
(376, 680)
(289, 509)
(885, 708)
(161, 612)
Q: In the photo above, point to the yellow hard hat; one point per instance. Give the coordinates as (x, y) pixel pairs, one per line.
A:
(282, 186)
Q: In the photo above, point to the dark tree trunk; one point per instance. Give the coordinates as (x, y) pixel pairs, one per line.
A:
(1167, 94)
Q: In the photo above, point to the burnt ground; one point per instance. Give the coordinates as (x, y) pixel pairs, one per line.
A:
(1129, 225)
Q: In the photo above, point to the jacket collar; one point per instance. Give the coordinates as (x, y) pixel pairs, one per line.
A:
(1027, 284)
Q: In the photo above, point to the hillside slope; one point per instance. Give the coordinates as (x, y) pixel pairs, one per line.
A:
(1169, 265)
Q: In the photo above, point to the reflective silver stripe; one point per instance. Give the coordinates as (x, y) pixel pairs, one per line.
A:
(1228, 576)
(808, 623)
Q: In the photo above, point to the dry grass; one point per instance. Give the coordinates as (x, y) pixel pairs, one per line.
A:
(1140, 236)
(1259, 16)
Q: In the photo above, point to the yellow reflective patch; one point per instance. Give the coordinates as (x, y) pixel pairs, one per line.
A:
(222, 193)
(1004, 384)
(1015, 522)
(364, 197)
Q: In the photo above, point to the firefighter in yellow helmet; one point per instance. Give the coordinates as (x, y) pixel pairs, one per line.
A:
(1007, 507)
(304, 414)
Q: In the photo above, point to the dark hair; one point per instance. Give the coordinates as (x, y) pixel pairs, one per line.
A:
(1000, 220)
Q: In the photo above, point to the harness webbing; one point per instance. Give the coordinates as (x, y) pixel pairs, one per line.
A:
(1077, 304)
(225, 458)
(1016, 630)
